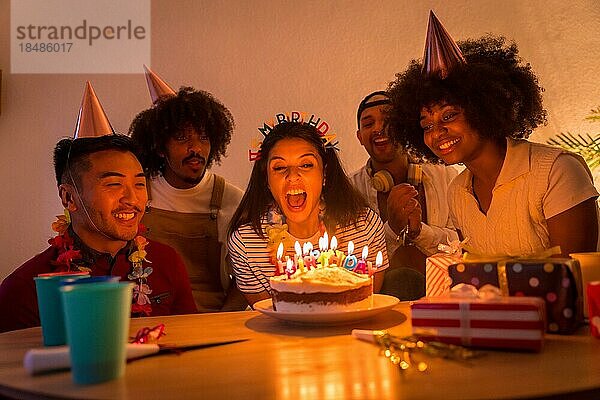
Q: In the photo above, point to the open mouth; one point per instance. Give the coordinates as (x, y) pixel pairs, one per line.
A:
(295, 198)
(381, 141)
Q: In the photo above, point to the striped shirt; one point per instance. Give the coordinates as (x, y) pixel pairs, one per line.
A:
(250, 255)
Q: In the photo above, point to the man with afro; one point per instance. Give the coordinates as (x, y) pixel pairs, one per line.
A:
(177, 140)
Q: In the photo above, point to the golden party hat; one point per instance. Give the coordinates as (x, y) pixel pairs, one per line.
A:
(157, 86)
(92, 120)
(441, 52)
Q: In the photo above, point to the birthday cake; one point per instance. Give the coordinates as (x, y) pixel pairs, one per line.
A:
(320, 289)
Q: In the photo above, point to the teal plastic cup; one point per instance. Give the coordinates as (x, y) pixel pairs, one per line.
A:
(50, 305)
(90, 279)
(97, 325)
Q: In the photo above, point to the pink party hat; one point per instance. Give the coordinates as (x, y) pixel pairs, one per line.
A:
(441, 52)
(92, 120)
(157, 86)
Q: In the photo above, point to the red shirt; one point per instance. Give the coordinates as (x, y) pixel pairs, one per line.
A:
(171, 291)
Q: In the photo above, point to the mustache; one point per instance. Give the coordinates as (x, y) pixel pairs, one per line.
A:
(194, 156)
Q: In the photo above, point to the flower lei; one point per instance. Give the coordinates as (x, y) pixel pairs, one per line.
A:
(64, 243)
(139, 275)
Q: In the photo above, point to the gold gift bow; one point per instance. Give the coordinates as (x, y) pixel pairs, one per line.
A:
(501, 261)
(453, 246)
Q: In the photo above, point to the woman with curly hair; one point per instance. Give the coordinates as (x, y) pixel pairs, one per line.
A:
(297, 191)
(177, 140)
(515, 197)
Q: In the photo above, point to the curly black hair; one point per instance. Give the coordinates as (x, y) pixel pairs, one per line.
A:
(499, 93)
(169, 115)
(340, 210)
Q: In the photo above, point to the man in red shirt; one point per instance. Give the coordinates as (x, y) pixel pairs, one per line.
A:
(102, 186)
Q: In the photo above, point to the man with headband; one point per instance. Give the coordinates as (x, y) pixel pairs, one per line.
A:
(178, 139)
(409, 197)
(102, 187)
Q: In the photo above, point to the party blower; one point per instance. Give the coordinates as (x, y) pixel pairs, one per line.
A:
(49, 359)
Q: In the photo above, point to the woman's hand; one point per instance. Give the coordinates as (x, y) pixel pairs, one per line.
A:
(403, 209)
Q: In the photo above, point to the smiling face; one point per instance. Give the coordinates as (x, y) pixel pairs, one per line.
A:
(186, 157)
(295, 178)
(372, 136)
(448, 134)
(113, 192)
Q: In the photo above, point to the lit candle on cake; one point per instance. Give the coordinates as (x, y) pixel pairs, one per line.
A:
(315, 252)
(280, 264)
(290, 267)
(337, 257)
(299, 260)
(323, 258)
(378, 262)
(309, 259)
(350, 260)
(361, 266)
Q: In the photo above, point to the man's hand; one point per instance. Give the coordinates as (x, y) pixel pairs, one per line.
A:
(404, 209)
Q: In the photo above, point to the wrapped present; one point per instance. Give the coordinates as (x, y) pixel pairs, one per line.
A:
(437, 280)
(469, 317)
(593, 296)
(556, 280)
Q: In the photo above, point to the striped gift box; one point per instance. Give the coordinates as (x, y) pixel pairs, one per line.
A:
(437, 280)
(504, 323)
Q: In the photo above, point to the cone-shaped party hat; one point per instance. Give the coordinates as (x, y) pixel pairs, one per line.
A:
(157, 86)
(441, 52)
(92, 120)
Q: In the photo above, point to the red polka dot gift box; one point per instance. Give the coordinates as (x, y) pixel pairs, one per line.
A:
(556, 280)
(499, 322)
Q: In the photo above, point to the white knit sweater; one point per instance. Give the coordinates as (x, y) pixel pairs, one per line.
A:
(532, 187)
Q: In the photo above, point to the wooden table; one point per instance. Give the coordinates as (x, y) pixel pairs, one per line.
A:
(286, 361)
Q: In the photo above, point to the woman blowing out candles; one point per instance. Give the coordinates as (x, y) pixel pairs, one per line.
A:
(297, 191)
(515, 197)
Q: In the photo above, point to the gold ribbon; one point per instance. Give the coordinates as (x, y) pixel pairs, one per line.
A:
(502, 280)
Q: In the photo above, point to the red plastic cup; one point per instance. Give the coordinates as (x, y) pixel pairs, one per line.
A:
(593, 298)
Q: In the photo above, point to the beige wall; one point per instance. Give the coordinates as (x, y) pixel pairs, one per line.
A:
(262, 57)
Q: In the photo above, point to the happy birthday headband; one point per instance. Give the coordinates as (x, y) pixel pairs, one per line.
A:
(320, 125)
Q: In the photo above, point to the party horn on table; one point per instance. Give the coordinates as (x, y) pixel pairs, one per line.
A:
(57, 358)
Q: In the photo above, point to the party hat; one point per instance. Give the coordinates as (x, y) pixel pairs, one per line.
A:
(441, 52)
(157, 86)
(92, 120)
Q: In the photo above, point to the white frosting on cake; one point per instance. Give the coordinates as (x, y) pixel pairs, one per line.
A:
(320, 280)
